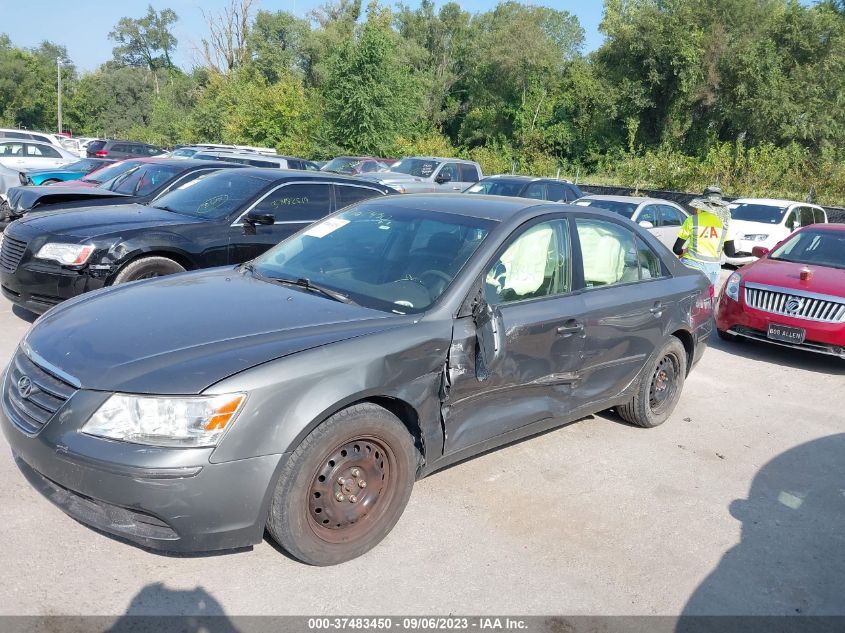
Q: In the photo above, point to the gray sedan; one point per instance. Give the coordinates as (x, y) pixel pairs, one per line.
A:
(304, 392)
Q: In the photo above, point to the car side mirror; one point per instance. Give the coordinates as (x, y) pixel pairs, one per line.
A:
(443, 178)
(759, 251)
(256, 217)
(646, 224)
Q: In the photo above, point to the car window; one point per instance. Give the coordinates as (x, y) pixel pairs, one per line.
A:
(120, 148)
(558, 192)
(451, 169)
(309, 166)
(650, 266)
(38, 137)
(648, 214)
(369, 165)
(792, 220)
(670, 216)
(347, 194)
(257, 163)
(806, 216)
(298, 203)
(535, 264)
(42, 150)
(11, 149)
(608, 253)
(819, 217)
(536, 190)
(469, 173)
(144, 179)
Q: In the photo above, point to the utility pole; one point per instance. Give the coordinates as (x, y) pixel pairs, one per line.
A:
(59, 91)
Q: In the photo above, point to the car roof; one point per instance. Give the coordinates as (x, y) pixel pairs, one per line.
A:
(297, 174)
(441, 159)
(486, 207)
(772, 202)
(524, 178)
(29, 141)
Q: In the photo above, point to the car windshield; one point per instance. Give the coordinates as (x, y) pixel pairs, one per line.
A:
(394, 260)
(104, 174)
(184, 152)
(625, 209)
(83, 165)
(817, 247)
(414, 167)
(213, 196)
(765, 213)
(497, 187)
(342, 165)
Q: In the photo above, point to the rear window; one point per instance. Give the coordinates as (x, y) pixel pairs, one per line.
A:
(625, 209)
(95, 146)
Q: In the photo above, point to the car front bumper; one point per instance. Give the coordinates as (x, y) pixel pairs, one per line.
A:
(38, 286)
(167, 499)
(737, 318)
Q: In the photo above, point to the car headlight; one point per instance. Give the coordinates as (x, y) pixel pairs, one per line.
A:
(756, 237)
(65, 254)
(163, 421)
(732, 286)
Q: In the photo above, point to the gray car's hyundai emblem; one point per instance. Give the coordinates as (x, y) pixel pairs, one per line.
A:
(25, 387)
(794, 305)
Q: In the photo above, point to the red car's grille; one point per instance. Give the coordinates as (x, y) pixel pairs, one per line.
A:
(788, 303)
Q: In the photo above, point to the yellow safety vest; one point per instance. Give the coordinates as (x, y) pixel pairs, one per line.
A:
(706, 237)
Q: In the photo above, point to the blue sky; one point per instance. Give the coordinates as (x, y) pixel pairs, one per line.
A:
(83, 26)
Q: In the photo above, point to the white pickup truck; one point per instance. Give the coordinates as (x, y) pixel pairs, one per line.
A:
(424, 174)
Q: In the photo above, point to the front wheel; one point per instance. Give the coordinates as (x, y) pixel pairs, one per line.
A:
(147, 268)
(345, 486)
(660, 387)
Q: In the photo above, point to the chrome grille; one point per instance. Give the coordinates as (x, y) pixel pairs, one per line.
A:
(48, 394)
(11, 253)
(800, 306)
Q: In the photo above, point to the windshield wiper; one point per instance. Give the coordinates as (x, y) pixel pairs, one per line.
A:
(305, 283)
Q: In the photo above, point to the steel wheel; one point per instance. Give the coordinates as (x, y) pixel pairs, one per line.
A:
(664, 383)
(352, 485)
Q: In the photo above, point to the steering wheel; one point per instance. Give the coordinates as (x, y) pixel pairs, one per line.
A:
(435, 273)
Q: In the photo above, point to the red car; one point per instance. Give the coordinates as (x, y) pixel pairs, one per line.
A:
(792, 296)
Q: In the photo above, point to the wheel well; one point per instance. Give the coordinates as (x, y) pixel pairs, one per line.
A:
(180, 259)
(406, 414)
(686, 339)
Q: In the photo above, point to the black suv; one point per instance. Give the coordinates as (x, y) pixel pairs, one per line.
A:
(122, 149)
(225, 217)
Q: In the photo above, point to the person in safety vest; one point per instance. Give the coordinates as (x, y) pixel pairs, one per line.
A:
(706, 235)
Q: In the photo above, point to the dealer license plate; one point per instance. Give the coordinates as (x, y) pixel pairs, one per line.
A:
(786, 334)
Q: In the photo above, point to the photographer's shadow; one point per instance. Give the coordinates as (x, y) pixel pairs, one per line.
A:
(791, 559)
(157, 608)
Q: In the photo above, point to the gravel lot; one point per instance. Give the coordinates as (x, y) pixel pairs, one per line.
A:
(734, 505)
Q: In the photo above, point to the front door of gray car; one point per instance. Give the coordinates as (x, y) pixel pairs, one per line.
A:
(516, 360)
(448, 178)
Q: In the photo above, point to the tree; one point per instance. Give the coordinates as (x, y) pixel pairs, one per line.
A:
(227, 48)
(367, 96)
(146, 41)
(277, 43)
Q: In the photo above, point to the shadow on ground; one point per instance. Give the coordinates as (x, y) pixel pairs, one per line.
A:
(791, 559)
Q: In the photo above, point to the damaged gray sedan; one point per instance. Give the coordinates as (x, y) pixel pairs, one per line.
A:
(305, 392)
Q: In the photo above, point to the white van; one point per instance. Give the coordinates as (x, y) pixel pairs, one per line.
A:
(765, 222)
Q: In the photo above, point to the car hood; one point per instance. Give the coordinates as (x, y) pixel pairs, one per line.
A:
(743, 227)
(22, 199)
(54, 170)
(180, 334)
(772, 272)
(89, 222)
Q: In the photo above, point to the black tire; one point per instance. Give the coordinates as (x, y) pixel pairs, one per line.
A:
(660, 387)
(320, 513)
(146, 268)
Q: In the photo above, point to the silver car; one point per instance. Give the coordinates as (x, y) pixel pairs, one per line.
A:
(662, 218)
(24, 155)
(425, 174)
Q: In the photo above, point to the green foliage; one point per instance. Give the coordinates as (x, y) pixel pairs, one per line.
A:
(681, 92)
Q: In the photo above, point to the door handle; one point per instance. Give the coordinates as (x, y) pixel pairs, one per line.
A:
(658, 309)
(573, 326)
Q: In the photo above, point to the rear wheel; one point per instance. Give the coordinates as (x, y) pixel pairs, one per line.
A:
(344, 487)
(660, 387)
(147, 268)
